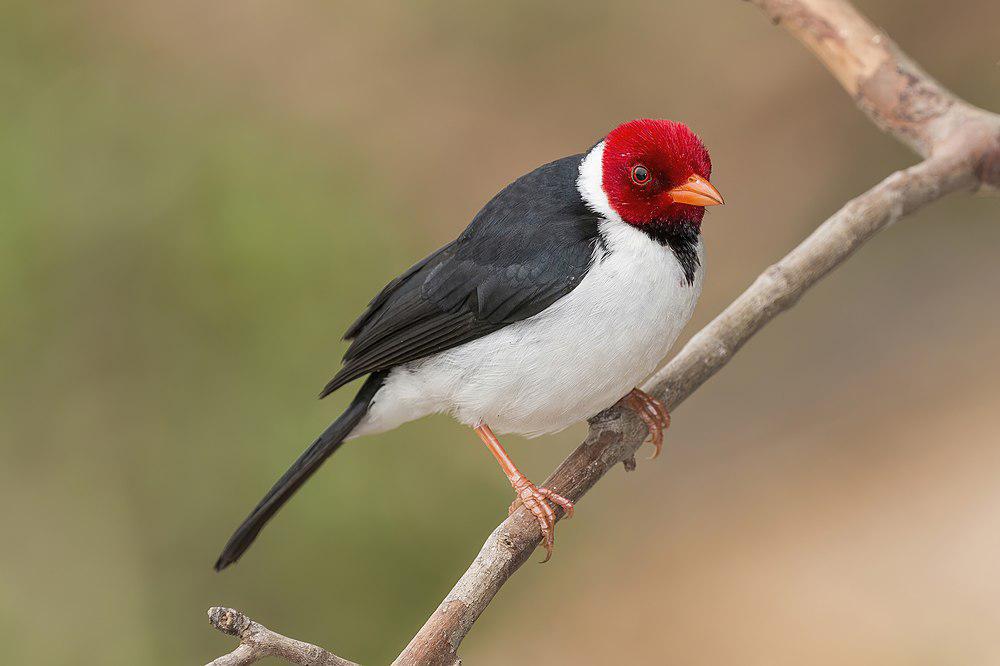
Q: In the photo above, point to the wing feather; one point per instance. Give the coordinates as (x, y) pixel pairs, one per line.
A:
(529, 246)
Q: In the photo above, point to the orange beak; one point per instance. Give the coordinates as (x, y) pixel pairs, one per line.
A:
(697, 191)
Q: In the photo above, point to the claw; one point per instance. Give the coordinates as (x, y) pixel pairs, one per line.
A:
(527, 494)
(552, 496)
(536, 500)
(653, 413)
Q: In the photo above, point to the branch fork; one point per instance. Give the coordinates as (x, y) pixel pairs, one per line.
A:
(960, 144)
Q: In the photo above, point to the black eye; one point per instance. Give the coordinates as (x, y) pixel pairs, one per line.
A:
(640, 174)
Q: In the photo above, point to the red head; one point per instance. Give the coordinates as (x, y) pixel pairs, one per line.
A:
(655, 172)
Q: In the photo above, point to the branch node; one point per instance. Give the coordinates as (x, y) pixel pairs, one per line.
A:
(258, 642)
(228, 620)
(961, 149)
(899, 98)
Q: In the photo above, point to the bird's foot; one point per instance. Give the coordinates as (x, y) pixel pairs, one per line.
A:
(536, 500)
(653, 413)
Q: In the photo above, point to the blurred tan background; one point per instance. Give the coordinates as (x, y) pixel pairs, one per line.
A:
(196, 199)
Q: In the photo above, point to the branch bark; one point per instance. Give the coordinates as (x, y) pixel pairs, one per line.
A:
(616, 434)
(898, 96)
(960, 144)
(258, 642)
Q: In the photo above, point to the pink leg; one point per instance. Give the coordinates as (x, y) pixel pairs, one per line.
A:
(527, 493)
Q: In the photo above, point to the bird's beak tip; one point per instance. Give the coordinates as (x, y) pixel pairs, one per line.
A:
(697, 191)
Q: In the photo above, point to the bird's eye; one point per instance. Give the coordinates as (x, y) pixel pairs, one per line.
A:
(640, 174)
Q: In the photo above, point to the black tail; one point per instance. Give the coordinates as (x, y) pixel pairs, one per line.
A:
(299, 472)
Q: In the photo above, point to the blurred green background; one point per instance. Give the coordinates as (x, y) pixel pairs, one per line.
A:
(197, 198)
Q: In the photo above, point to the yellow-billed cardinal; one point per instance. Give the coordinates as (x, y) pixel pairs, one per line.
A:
(565, 292)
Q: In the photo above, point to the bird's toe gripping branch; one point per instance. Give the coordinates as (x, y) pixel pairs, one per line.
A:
(534, 499)
(653, 413)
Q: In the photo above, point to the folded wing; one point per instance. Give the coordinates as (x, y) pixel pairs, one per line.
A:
(530, 245)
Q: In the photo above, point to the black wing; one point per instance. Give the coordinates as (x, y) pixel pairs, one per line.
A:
(528, 247)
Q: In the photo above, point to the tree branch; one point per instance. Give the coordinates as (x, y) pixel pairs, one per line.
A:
(616, 434)
(897, 95)
(961, 147)
(258, 642)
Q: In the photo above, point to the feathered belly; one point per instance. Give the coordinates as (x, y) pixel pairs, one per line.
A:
(547, 373)
(560, 366)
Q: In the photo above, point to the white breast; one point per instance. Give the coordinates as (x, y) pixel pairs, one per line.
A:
(564, 364)
(569, 361)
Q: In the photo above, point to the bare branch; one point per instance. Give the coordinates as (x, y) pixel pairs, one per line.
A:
(893, 90)
(616, 434)
(258, 642)
(961, 147)
(962, 144)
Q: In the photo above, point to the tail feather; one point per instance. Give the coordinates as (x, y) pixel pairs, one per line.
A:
(299, 472)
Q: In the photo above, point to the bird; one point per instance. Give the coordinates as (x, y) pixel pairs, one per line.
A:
(561, 296)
